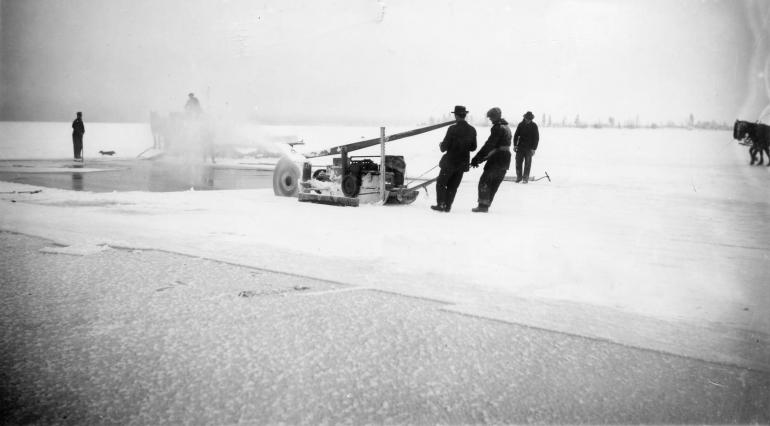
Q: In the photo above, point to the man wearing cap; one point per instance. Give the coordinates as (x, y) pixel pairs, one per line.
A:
(525, 141)
(497, 154)
(78, 129)
(457, 145)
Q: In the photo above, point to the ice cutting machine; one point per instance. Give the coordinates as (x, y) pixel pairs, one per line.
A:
(349, 180)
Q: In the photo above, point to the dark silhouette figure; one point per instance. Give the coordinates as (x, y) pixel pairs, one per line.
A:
(496, 152)
(193, 106)
(525, 143)
(457, 145)
(78, 129)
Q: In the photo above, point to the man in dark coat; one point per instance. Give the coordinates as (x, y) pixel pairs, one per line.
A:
(497, 154)
(78, 129)
(525, 143)
(457, 145)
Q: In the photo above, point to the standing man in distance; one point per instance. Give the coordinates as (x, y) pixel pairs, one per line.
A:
(525, 143)
(78, 129)
(193, 106)
(497, 153)
(457, 145)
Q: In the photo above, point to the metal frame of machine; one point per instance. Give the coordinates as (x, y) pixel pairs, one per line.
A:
(350, 180)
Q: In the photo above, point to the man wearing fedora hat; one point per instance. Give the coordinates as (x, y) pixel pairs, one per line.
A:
(457, 145)
(525, 141)
(497, 154)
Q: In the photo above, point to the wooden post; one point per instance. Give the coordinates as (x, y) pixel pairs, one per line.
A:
(382, 166)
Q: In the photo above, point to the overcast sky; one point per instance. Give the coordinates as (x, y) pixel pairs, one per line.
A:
(386, 61)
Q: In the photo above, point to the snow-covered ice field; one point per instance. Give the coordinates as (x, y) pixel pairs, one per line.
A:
(650, 238)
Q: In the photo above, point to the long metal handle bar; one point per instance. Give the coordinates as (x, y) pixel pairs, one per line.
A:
(371, 142)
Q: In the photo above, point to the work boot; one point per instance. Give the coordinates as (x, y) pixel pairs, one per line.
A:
(439, 208)
(526, 180)
(518, 179)
(480, 209)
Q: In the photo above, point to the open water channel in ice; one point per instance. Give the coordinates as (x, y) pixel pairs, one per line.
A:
(132, 175)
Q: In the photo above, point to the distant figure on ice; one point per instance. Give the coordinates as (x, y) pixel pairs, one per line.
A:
(525, 143)
(78, 129)
(497, 153)
(458, 143)
(193, 106)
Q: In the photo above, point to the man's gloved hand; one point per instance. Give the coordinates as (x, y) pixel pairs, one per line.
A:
(515, 148)
(532, 152)
(474, 163)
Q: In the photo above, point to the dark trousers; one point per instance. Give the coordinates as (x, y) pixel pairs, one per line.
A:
(523, 156)
(488, 184)
(77, 145)
(446, 186)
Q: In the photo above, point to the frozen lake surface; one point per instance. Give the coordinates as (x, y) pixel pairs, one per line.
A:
(650, 238)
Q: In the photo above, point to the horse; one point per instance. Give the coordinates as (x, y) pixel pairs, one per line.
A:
(758, 135)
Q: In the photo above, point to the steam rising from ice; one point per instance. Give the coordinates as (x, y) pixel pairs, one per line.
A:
(381, 14)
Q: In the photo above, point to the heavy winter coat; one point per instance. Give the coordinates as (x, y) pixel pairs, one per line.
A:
(526, 136)
(77, 127)
(497, 149)
(457, 145)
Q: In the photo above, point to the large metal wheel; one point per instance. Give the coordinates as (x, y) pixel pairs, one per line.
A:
(350, 185)
(286, 178)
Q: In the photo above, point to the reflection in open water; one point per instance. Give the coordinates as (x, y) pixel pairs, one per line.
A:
(77, 181)
(141, 175)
